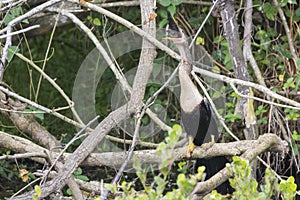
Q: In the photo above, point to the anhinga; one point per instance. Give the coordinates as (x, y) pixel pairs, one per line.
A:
(197, 115)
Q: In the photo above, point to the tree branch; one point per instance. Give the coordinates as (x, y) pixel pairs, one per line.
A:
(116, 159)
(288, 34)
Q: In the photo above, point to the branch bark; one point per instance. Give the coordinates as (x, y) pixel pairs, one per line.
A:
(116, 159)
(240, 67)
(103, 128)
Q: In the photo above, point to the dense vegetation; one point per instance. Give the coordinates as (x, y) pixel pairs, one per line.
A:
(62, 48)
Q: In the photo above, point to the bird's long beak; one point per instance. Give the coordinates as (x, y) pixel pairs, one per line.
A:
(174, 33)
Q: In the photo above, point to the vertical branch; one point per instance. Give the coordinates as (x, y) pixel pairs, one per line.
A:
(247, 42)
(249, 56)
(239, 66)
(288, 32)
(147, 56)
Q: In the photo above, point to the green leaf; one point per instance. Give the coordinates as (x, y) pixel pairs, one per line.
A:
(33, 109)
(165, 3)
(163, 14)
(296, 136)
(82, 177)
(69, 192)
(163, 23)
(97, 22)
(161, 184)
(11, 52)
(39, 116)
(89, 18)
(218, 39)
(156, 70)
(111, 187)
(288, 188)
(270, 11)
(172, 9)
(200, 41)
(14, 13)
(34, 197)
(38, 190)
(289, 83)
(298, 61)
(176, 2)
(78, 172)
(283, 3)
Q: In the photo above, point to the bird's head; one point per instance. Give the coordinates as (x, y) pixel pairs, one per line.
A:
(174, 33)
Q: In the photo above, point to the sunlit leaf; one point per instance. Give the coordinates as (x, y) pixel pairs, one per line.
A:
(38, 190)
(96, 22)
(165, 3)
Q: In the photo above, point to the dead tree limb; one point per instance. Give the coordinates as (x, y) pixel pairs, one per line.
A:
(115, 159)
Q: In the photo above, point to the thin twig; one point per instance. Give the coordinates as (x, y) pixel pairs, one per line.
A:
(20, 31)
(261, 100)
(47, 52)
(261, 88)
(130, 152)
(203, 23)
(12, 23)
(23, 155)
(288, 33)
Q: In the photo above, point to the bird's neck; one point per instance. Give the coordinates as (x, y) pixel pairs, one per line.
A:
(190, 97)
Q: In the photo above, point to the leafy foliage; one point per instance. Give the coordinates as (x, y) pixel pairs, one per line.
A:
(270, 48)
(165, 152)
(247, 188)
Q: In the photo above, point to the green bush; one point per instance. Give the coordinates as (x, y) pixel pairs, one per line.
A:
(244, 185)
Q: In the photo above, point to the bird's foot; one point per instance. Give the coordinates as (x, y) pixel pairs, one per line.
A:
(207, 145)
(190, 148)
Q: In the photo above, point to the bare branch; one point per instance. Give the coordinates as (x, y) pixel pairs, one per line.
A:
(247, 42)
(261, 88)
(116, 159)
(288, 33)
(20, 31)
(12, 23)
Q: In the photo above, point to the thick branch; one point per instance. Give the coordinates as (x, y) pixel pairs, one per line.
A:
(239, 66)
(115, 159)
(27, 124)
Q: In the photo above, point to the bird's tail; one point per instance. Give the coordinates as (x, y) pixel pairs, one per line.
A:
(213, 166)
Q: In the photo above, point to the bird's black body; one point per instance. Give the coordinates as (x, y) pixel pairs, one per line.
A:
(202, 122)
(196, 123)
